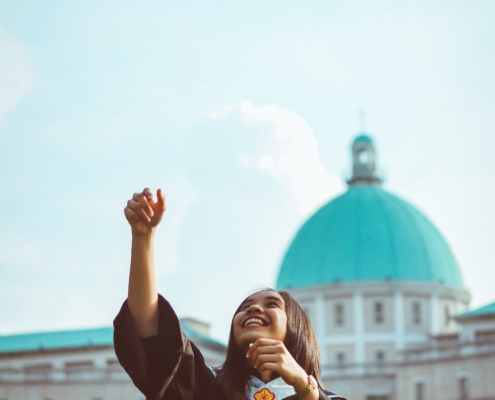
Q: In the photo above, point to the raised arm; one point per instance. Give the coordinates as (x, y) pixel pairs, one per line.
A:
(144, 213)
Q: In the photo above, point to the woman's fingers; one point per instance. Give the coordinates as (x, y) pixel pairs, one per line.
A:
(261, 343)
(130, 214)
(267, 351)
(161, 206)
(268, 362)
(143, 201)
(265, 346)
(149, 195)
(136, 207)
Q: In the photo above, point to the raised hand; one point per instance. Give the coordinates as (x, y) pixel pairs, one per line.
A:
(143, 212)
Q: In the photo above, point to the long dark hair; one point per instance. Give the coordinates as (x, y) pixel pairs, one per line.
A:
(300, 340)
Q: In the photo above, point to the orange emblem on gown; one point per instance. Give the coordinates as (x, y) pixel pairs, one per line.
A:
(264, 394)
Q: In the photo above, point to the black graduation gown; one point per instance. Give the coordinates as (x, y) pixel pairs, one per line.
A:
(167, 366)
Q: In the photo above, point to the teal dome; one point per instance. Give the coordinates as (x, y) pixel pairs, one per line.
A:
(368, 234)
(363, 138)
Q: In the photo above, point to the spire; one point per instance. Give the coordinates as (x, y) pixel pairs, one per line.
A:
(364, 162)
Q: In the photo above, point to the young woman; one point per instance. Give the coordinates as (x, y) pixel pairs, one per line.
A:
(272, 352)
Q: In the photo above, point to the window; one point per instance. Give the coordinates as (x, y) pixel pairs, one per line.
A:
(380, 356)
(485, 335)
(416, 311)
(114, 368)
(379, 312)
(308, 310)
(463, 389)
(78, 370)
(419, 391)
(446, 313)
(339, 314)
(340, 358)
(38, 372)
(364, 157)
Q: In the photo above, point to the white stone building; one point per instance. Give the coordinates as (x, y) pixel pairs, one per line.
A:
(378, 280)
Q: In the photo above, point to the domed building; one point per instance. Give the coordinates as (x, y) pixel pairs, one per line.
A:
(376, 278)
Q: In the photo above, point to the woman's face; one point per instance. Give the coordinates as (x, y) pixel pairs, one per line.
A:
(261, 315)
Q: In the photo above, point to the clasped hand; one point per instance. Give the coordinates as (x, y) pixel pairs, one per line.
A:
(269, 356)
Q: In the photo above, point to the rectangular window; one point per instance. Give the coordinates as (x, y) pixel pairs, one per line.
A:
(419, 391)
(380, 356)
(339, 314)
(379, 312)
(340, 358)
(79, 370)
(463, 389)
(114, 369)
(447, 317)
(416, 313)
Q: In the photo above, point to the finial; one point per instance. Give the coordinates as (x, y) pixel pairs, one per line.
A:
(362, 120)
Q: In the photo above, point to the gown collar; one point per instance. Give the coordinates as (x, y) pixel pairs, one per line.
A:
(275, 389)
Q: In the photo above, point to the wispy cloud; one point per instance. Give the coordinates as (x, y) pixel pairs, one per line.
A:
(291, 153)
(16, 76)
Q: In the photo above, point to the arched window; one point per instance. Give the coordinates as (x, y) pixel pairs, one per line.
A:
(339, 314)
(416, 311)
(378, 312)
(364, 157)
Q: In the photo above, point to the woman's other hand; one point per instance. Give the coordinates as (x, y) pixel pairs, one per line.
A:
(143, 212)
(270, 356)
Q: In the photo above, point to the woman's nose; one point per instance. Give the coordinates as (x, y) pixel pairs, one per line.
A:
(254, 308)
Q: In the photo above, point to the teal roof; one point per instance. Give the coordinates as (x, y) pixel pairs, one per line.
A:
(368, 234)
(480, 312)
(363, 138)
(56, 340)
(59, 340)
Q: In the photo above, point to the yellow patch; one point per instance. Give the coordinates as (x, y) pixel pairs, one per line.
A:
(264, 394)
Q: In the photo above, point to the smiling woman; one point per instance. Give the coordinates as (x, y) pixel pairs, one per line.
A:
(272, 351)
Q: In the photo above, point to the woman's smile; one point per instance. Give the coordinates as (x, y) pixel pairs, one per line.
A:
(254, 322)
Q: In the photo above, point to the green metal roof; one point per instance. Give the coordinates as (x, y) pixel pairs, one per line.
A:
(59, 340)
(368, 234)
(479, 312)
(56, 340)
(363, 138)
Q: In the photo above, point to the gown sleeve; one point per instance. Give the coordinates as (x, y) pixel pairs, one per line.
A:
(167, 366)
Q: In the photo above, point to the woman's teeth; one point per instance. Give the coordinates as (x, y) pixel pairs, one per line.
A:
(254, 321)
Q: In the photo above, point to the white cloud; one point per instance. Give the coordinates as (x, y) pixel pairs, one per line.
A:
(16, 78)
(292, 153)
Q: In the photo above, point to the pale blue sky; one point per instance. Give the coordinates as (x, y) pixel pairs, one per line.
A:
(243, 112)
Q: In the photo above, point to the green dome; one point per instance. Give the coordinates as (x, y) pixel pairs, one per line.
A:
(363, 138)
(368, 234)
